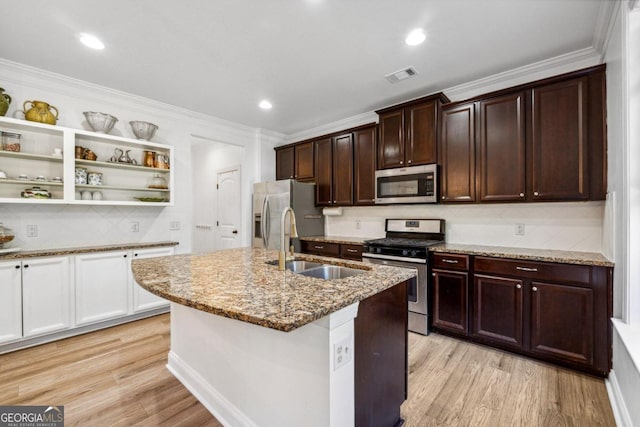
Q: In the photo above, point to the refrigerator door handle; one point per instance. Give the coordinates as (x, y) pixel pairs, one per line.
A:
(263, 222)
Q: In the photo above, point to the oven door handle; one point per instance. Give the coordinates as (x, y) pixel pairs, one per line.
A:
(395, 258)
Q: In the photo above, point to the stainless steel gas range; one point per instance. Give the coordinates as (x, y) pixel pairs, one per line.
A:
(406, 245)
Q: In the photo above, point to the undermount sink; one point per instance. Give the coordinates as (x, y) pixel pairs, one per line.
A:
(329, 272)
(318, 270)
(299, 266)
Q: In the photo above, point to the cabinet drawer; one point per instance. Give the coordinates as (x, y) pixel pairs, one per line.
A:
(351, 251)
(451, 261)
(534, 270)
(320, 248)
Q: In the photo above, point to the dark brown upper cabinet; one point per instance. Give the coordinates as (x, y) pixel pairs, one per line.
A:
(285, 162)
(364, 166)
(304, 161)
(295, 162)
(559, 144)
(334, 171)
(501, 148)
(409, 133)
(323, 159)
(457, 154)
(343, 170)
(543, 141)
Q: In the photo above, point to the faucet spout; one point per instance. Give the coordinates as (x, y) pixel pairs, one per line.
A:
(293, 232)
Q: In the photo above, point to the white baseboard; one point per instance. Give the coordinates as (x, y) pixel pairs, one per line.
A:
(620, 412)
(224, 411)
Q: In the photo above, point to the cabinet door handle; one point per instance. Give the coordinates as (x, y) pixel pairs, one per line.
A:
(518, 286)
(442, 197)
(353, 251)
(401, 162)
(318, 247)
(450, 261)
(534, 289)
(135, 254)
(521, 194)
(535, 193)
(408, 161)
(125, 255)
(26, 266)
(17, 266)
(527, 269)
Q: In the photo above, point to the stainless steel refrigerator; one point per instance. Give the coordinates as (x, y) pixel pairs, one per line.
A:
(269, 201)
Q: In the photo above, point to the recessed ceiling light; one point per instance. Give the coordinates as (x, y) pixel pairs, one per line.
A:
(265, 105)
(91, 41)
(415, 37)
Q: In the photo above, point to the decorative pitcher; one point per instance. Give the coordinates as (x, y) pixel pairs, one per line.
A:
(5, 100)
(40, 112)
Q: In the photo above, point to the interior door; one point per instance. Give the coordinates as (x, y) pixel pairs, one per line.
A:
(229, 208)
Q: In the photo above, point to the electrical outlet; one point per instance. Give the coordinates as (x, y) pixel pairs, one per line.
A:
(519, 229)
(134, 226)
(357, 224)
(32, 230)
(174, 225)
(342, 352)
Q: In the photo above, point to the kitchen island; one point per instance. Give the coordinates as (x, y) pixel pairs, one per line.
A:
(258, 346)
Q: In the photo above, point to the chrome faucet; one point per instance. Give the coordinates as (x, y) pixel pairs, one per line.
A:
(293, 232)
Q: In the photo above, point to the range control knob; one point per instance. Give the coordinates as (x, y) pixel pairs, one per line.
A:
(414, 253)
(405, 252)
(379, 250)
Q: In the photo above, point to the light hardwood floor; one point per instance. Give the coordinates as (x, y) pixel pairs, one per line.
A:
(117, 377)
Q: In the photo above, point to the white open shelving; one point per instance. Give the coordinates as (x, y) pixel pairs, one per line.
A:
(123, 183)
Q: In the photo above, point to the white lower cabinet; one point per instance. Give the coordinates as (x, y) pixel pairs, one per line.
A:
(102, 286)
(143, 299)
(53, 295)
(10, 301)
(46, 295)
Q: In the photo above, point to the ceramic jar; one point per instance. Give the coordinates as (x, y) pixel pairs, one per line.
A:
(40, 112)
(81, 175)
(94, 178)
(5, 100)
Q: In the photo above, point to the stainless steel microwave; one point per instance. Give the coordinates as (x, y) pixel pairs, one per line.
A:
(415, 184)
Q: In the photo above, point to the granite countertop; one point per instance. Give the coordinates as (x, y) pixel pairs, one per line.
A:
(239, 284)
(337, 239)
(83, 249)
(567, 257)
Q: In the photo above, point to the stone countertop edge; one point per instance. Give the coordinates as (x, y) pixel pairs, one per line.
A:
(83, 250)
(241, 285)
(337, 239)
(547, 255)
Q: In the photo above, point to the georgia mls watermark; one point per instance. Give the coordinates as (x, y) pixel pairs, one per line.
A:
(31, 416)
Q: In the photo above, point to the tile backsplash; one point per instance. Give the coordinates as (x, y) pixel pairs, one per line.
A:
(60, 226)
(562, 226)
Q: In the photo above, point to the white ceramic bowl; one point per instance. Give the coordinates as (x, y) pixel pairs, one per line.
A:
(100, 122)
(143, 130)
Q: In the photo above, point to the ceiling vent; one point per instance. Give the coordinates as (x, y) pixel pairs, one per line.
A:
(399, 75)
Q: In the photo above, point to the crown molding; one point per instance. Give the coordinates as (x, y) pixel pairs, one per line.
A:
(538, 70)
(349, 122)
(22, 74)
(604, 24)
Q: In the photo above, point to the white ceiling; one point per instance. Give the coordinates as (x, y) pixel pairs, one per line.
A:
(318, 61)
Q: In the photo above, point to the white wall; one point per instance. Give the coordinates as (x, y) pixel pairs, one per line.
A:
(66, 226)
(622, 220)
